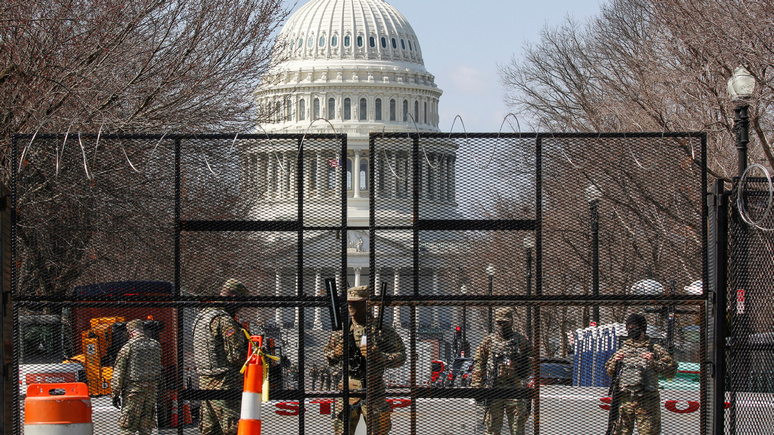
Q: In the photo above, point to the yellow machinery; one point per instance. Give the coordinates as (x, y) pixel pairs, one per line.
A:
(96, 342)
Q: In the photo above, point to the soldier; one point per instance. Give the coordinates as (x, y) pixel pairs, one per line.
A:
(325, 378)
(135, 382)
(380, 348)
(220, 350)
(336, 376)
(640, 361)
(314, 373)
(502, 361)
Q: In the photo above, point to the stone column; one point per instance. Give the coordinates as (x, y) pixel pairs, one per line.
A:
(277, 292)
(393, 179)
(320, 169)
(396, 291)
(318, 290)
(357, 276)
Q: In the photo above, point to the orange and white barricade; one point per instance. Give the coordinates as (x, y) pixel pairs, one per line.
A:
(58, 409)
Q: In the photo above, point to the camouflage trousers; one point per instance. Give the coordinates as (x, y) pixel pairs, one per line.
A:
(138, 408)
(219, 417)
(515, 409)
(645, 410)
(381, 426)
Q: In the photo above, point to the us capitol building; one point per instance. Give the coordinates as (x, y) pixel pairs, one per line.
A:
(354, 67)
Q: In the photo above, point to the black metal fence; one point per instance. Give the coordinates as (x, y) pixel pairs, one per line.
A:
(571, 232)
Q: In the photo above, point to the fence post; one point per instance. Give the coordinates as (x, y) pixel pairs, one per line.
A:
(719, 209)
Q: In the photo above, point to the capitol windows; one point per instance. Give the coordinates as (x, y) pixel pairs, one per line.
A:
(359, 41)
(331, 108)
(334, 41)
(316, 108)
(347, 109)
(322, 41)
(424, 115)
(310, 43)
(378, 109)
(301, 109)
(363, 109)
(405, 111)
(347, 41)
(371, 42)
(394, 43)
(392, 110)
(384, 42)
(403, 44)
(363, 174)
(416, 111)
(300, 43)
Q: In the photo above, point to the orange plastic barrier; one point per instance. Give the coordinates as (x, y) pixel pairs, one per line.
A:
(58, 409)
(250, 416)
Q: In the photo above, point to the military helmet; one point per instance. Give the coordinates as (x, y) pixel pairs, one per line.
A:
(636, 319)
(135, 325)
(234, 286)
(359, 293)
(504, 313)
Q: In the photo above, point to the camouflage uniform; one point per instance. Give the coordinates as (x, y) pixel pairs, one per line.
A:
(640, 400)
(136, 375)
(385, 351)
(507, 359)
(220, 350)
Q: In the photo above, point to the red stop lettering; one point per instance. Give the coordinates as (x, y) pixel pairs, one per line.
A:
(289, 408)
(398, 403)
(671, 405)
(608, 401)
(325, 405)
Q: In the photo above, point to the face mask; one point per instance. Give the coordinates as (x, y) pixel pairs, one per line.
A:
(635, 331)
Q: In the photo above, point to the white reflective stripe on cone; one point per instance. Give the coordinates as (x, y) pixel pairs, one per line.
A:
(59, 429)
(251, 406)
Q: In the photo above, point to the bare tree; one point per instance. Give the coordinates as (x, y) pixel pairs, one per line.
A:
(652, 65)
(91, 210)
(141, 66)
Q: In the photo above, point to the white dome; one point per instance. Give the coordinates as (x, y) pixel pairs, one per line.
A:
(350, 29)
(357, 64)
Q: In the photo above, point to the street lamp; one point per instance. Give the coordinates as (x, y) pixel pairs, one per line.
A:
(740, 88)
(490, 270)
(593, 195)
(529, 243)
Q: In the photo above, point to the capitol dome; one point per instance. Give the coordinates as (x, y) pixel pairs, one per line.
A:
(348, 67)
(354, 63)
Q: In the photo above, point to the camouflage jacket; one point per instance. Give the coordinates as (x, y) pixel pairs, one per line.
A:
(222, 343)
(638, 374)
(385, 351)
(138, 362)
(501, 363)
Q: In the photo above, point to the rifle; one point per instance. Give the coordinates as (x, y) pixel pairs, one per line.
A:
(615, 399)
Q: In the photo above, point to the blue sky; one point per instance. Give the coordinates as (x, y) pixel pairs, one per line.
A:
(464, 41)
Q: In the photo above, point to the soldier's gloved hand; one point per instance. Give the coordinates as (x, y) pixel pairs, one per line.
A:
(117, 401)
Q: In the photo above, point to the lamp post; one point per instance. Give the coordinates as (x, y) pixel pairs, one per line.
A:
(740, 88)
(593, 195)
(529, 243)
(490, 270)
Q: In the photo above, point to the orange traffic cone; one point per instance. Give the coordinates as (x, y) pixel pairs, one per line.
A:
(250, 417)
(173, 414)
